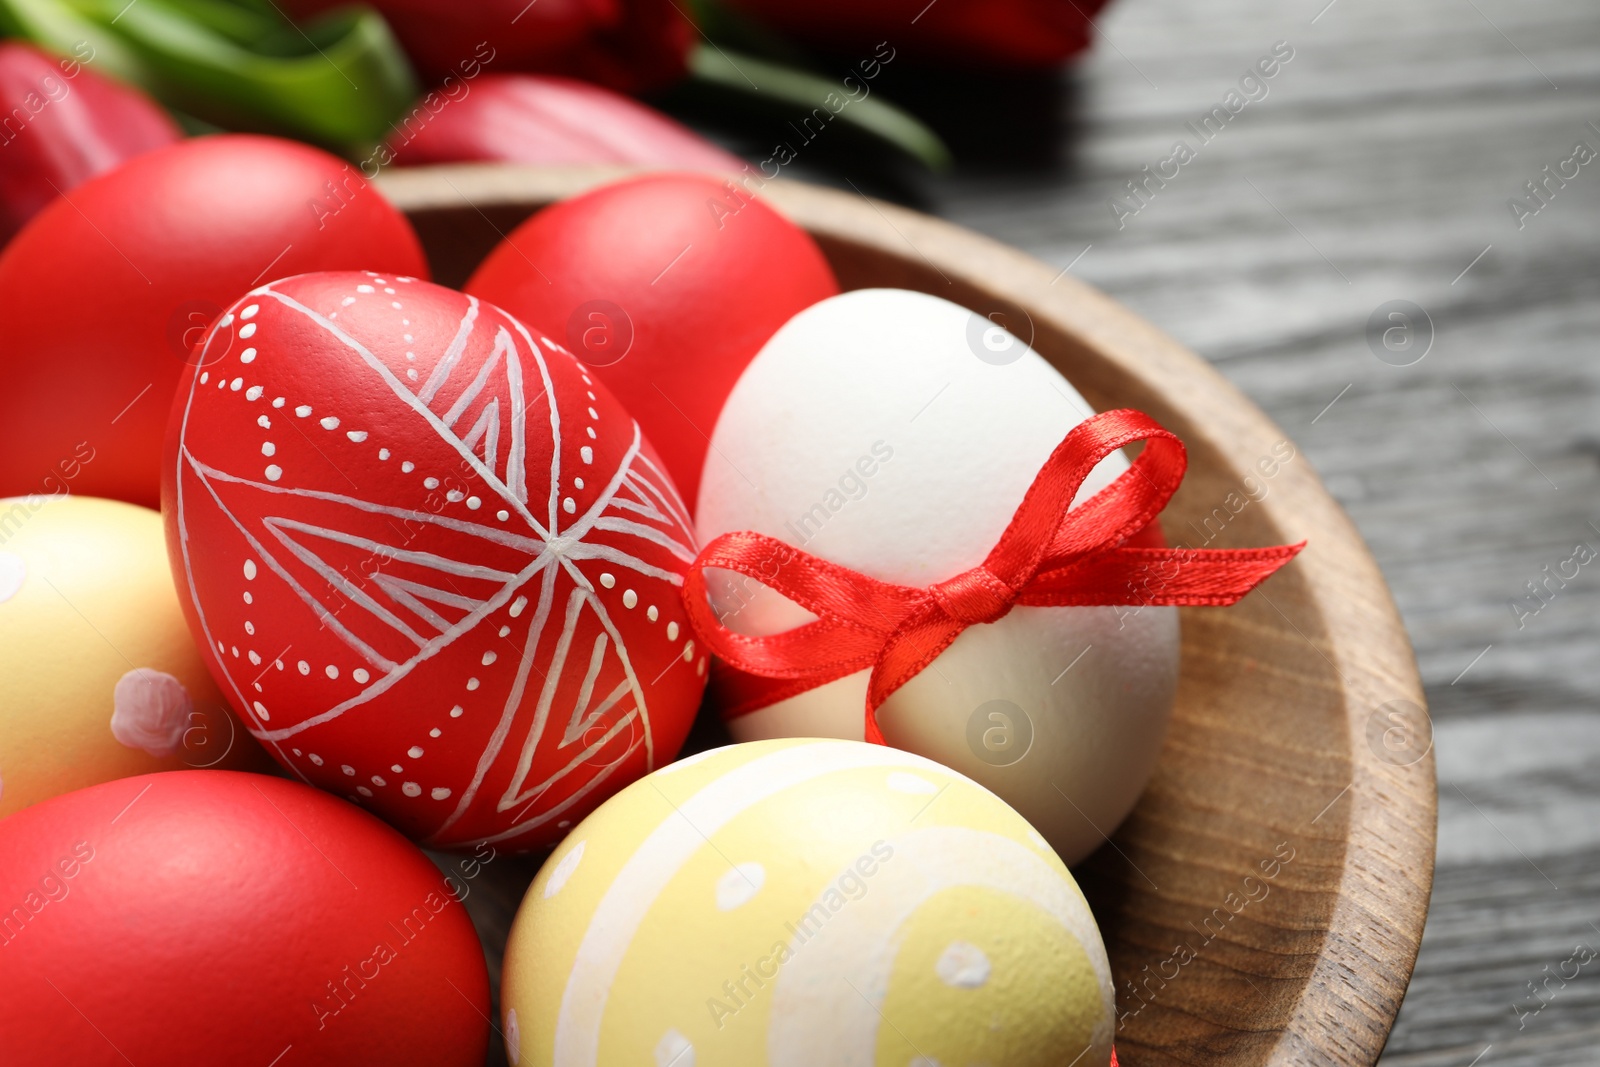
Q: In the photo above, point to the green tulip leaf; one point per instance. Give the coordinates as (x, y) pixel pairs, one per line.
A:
(340, 80)
(778, 86)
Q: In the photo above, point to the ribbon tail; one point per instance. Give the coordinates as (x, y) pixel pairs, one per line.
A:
(1201, 577)
(914, 645)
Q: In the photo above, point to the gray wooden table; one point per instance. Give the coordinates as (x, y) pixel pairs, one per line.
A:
(1379, 167)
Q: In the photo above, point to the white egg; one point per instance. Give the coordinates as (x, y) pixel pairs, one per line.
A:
(895, 433)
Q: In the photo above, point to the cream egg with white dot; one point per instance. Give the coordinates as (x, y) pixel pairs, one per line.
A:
(901, 782)
(963, 966)
(739, 885)
(773, 903)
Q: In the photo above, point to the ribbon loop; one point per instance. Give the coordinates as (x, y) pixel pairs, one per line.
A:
(1051, 554)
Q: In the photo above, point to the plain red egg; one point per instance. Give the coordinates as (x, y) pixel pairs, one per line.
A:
(209, 917)
(105, 293)
(666, 286)
(431, 561)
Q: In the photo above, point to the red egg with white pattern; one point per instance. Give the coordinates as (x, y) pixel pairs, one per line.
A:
(432, 561)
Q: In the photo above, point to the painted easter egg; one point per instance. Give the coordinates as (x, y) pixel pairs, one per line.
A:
(665, 286)
(896, 433)
(800, 902)
(206, 917)
(99, 678)
(104, 295)
(432, 561)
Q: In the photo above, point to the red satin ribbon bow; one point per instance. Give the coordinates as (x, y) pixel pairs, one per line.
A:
(1048, 555)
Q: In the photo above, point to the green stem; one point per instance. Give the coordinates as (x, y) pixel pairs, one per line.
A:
(778, 86)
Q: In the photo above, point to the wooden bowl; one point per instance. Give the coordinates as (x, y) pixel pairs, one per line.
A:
(1300, 756)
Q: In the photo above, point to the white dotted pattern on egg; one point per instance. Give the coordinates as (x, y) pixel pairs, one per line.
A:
(439, 470)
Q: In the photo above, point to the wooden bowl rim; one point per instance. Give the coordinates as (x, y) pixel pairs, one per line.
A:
(1332, 1018)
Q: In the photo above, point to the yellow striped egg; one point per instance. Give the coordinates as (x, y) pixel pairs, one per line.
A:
(804, 902)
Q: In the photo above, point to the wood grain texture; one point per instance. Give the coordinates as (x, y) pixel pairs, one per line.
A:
(1264, 902)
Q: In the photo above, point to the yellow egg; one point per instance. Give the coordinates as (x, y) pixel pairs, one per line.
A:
(99, 678)
(805, 902)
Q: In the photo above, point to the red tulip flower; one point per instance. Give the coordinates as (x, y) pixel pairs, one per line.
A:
(528, 118)
(60, 125)
(975, 33)
(628, 45)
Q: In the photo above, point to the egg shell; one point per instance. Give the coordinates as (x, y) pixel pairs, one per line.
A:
(895, 433)
(666, 286)
(99, 678)
(104, 294)
(457, 559)
(801, 902)
(204, 917)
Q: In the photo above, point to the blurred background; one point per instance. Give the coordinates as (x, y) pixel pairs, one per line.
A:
(1382, 227)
